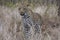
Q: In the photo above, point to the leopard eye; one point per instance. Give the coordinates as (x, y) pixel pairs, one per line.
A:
(19, 8)
(24, 8)
(28, 5)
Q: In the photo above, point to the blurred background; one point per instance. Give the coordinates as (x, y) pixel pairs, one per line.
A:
(10, 20)
(34, 2)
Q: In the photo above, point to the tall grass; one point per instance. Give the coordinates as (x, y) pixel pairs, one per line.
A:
(11, 25)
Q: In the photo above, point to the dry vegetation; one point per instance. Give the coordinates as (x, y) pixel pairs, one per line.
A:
(11, 26)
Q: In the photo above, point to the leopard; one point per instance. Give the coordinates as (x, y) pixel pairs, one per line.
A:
(31, 22)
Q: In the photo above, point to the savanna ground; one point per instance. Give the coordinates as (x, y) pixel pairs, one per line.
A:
(10, 21)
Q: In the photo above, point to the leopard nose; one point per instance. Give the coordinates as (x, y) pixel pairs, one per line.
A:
(22, 13)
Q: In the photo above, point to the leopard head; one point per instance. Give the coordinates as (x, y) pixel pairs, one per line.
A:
(23, 9)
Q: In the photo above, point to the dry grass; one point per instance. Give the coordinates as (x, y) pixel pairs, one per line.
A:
(11, 26)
